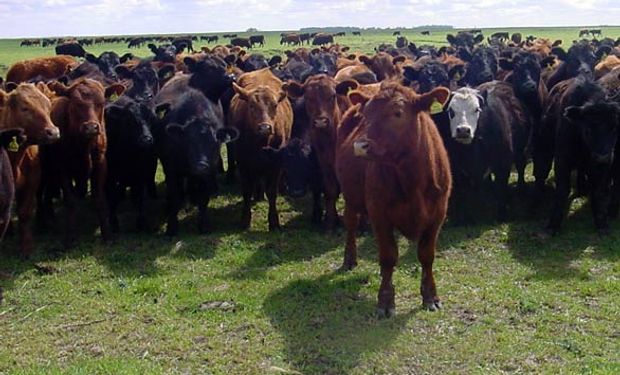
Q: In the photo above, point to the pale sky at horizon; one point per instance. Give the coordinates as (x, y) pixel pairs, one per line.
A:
(30, 18)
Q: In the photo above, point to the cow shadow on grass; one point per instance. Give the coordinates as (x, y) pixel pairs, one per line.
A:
(328, 323)
(553, 257)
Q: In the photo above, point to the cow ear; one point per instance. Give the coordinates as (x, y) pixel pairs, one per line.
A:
(358, 97)
(231, 59)
(126, 57)
(10, 86)
(123, 72)
(438, 95)
(115, 89)
(573, 113)
(205, 49)
(603, 51)
(451, 39)
(3, 97)
(315, 51)
(559, 52)
(478, 39)
(190, 63)
(243, 93)
(398, 59)
(8, 135)
(165, 72)
(352, 57)
(282, 96)
(227, 134)
(344, 87)
(294, 89)
(557, 43)
(345, 49)
(365, 60)
(506, 64)
(91, 58)
(275, 60)
(59, 88)
(161, 110)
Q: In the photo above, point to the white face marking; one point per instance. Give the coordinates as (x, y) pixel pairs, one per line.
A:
(464, 111)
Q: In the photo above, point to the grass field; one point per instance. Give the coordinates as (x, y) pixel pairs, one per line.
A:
(256, 302)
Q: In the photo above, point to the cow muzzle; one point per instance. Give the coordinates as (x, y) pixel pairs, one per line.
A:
(463, 135)
(145, 141)
(265, 129)
(92, 129)
(321, 122)
(201, 168)
(603, 158)
(51, 134)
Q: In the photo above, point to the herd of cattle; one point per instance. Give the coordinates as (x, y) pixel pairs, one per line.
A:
(399, 134)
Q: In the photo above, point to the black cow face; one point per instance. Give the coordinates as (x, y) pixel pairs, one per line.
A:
(320, 63)
(526, 69)
(210, 76)
(299, 163)
(598, 123)
(481, 65)
(431, 75)
(128, 124)
(105, 62)
(164, 53)
(580, 59)
(145, 82)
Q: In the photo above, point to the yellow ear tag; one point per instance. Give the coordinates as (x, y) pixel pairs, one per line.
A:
(230, 69)
(13, 146)
(161, 114)
(113, 97)
(436, 107)
(457, 76)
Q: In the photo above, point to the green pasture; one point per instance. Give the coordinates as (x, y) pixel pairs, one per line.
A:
(255, 302)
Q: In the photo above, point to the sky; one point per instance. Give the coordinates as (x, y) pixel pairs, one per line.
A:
(29, 18)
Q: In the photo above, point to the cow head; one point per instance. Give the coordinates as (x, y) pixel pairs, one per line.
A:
(322, 63)
(383, 65)
(526, 70)
(580, 59)
(465, 39)
(85, 100)
(28, 108)
(598, 122)
(481, 65)
(105, 62)
(299, 164)
(464, 112)
(392, 116)
(262, 106)
(144, 80)
(319, 93)
(427, 75)
(194, 131)
(129, 123)
(209, 75)
(164, 53)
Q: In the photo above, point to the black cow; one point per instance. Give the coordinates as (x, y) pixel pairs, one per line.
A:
(257, 39)
(305, 37)
(584, 125)
(164, 53)
(98, 68)
(481, 67)
(425, 32)
(182, 43)
(136, 42)
(401, 42)
(257, 61)
(72, 49)
(503, 36)
(516, 38)
(358, 33)
(322, 39)
(580, 59)
(396, 33)
(188, 139)
(464, 39)
(241, 42)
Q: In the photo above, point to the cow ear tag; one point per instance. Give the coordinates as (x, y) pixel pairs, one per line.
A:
(230, 69)
(161, 114)
(436, 107)
(457, 76)
(13, 146)
(113, 97)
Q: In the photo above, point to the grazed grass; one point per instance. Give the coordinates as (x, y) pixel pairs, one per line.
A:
(513, 302)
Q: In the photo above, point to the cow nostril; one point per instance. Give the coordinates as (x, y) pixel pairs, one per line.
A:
(264, 128)
(146, 139)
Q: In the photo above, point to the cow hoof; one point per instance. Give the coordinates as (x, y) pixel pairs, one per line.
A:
(432, 305)
(347, 266)
(384, 313)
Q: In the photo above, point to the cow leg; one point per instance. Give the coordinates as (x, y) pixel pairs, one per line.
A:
(388, 257)
(139, 192)
(520, 163)
(26, 203)
(272, 182)
(174, 188)
(232, 163)
(202, 199)
(501, 184)
(426, 255)
(562, 191)
(351, 220)
(113, 194)
(248, 185)
(98, 180)
(331, 196)
(543, 160)
(614, 204)
(70, 207)
(600, 197)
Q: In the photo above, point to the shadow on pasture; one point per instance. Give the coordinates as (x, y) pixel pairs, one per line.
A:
(328, 323)
(553, 257)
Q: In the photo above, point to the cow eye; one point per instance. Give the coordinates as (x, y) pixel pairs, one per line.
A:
(451, 113)
(478, 110)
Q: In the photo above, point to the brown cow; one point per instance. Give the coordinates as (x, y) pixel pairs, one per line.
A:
(383, 65)
(391, 163)
(80, 154)
(263, 115)
(27, 108)
(40, 68)
(324, 113)
(607, 65)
